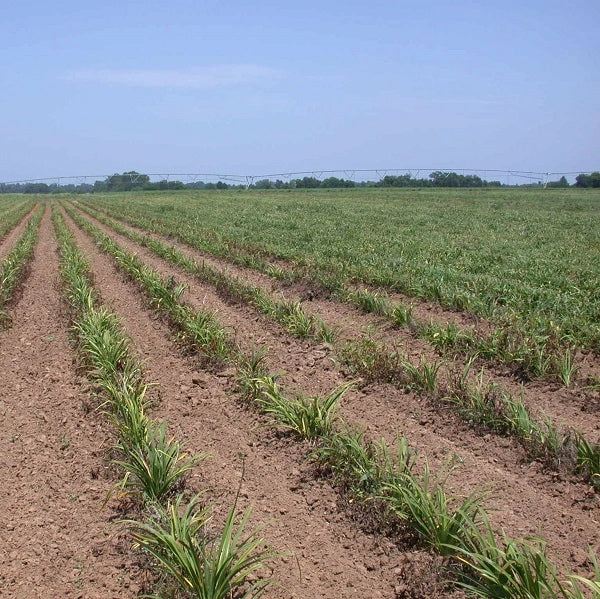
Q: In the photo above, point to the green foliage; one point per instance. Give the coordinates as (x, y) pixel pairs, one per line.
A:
(363, 467)
(309, 418)
(207, 567)
(436, 517)
(369, 302)
(12, 268)
(588, 458)
(371, 360)
(251, 374)
(503, 254)
(156, 467)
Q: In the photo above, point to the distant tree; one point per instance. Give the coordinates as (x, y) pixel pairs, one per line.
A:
(592, 180)
(264, 184)
(36, 188)
(333, 182)
(562, 182)
(128, 181)
(307, 182)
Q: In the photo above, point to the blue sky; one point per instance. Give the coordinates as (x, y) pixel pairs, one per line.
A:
(267, 87)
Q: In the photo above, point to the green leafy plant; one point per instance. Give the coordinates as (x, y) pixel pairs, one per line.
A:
(310, 417)
(155, 468)
(364, 466)
(588, 458)
(508, 570)
(206, 567)
(422, 377)
(436, 517)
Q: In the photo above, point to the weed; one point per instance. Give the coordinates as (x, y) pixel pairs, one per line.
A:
(250, 373)
(588, 458)
(401, 315)
(512, 570)
(566, 367)
(422, 377)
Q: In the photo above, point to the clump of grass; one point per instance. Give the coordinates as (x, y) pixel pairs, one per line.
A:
(369, 301)
(361, 466)
(449, 337)
(508, 570)
(485, 403)
(308, 417)
(401, 315)
(566, 366)
(422, 377)
(251, 372)
(436, 517)
(366, 358)
(155, 468)
(205, 566)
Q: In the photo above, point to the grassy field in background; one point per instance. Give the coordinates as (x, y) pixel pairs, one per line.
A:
(531, 256)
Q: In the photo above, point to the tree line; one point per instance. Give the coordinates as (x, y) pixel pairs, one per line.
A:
(134, 181)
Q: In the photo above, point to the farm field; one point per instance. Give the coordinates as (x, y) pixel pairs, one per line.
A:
(339, 362)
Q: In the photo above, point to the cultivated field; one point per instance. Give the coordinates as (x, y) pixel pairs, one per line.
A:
(357, 393)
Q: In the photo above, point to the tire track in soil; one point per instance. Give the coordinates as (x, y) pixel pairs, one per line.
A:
(527, 501)
(568, 408)
(328, 555)
(55, 539)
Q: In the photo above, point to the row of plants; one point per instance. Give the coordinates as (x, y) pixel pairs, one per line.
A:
(11, 213)
(512, 257)
(198, 328)
(13, 267)
(481, 403)
(175, 529)
(538, 352)
(289, 313)
(528, 355)
(456, 528)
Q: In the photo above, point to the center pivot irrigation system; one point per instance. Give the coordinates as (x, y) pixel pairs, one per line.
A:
(506, 177)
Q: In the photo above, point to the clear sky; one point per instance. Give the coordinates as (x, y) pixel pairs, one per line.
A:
(274, 86)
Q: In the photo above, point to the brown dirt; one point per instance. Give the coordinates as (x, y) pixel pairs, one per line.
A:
(56, 540)
(527, 500)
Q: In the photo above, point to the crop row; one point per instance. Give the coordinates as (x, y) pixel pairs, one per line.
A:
(510, 257)
(456, 528)
(11, 213)
(175, 530)
(12, 268)
(479, 402)
(529, 352)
